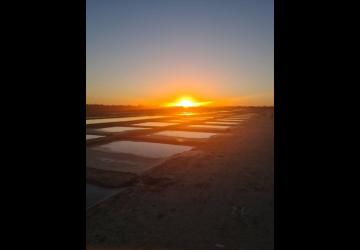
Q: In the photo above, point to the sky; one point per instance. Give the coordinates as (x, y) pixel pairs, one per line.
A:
(147, 52)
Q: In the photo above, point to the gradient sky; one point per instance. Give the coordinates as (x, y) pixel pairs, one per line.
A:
(151, 51)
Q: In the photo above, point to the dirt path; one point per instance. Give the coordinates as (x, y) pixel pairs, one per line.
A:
(218, 198)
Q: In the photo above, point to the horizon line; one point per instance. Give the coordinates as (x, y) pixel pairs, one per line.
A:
(155, 106)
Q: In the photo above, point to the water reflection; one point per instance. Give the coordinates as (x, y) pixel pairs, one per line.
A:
(89, 137)
(221, 123)
(118, 129)
(155, 124)
(187, 113)
(209, 126)
(121, 119)
(185, 134)
(95, 194)
(147, 149)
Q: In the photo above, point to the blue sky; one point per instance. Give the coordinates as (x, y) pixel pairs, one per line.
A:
(147, 51)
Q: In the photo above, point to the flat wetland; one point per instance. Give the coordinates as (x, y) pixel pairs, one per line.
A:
(216, 194)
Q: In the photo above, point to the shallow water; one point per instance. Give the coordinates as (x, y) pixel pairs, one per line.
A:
(187, 113)
(238, 117)
(121, 119)
(209, 126)
(89, 137)
(185, 134)
(232, 120)
(178, 121)
(155, 124)
(221, 123)
(95, 194)
(200, 118)
(118, 129)
(146, 149)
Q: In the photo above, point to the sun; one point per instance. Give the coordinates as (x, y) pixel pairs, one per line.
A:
(186, 102)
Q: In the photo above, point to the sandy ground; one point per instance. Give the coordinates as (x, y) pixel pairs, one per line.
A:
(219, 196)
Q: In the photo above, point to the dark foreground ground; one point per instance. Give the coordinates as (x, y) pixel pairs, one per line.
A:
(218, 196)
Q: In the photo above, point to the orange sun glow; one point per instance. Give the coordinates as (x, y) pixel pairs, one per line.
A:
(186, 102)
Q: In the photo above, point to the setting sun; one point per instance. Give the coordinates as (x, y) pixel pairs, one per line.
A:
(186, 102)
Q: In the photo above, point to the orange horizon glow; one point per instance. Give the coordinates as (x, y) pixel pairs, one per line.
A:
(176, 100)
(186, 102)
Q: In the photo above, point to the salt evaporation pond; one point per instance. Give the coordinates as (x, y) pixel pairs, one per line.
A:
(209, 126)
(155, 124)
(185, 134)
(118, 129)
(221, 123)
(201, 118)
(121, 119)
(187, 113)
(146, 149)
(232, 120)
(95, 194)
(178, 121)
(89, 137)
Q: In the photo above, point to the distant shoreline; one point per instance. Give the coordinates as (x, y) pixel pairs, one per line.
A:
(100, 110)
